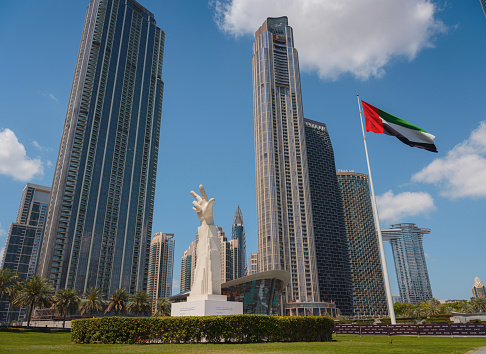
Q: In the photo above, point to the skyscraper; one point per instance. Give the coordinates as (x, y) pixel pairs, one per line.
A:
(188, 265)
(238, 233)
(286, 238)
(161, 267)
(99, 220)
(369, 297)
(24, 239)
(408, 254)
(478, 289)
(230, 257)
(483, 4)
(253, 264)
(331, 245)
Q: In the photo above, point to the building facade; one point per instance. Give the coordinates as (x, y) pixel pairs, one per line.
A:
(483, 4)
(478, 289)
(99, 220)
(188, 265)
(253, 264)
(161, 267)
(238, 233)
(408, 253)
(230, 257)
(286, 239)
(369, 296)
(23, 241)
(331, 244)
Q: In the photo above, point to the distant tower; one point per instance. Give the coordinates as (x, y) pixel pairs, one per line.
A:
(99, 219)
(478, 289)
(161, 267)
(238, 233)
(369, 297)
(24, 239)
(408, 254)
(188, 264)
(253, 264)
(230, 257)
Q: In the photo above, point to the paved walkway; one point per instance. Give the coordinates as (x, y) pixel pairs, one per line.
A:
(481, 350)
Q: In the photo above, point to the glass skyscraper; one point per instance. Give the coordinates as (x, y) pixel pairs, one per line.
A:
(24, 240)
(238, 233)
(369, 297)
(408, 253)
(99, 221)
(286, 235)
(161, 267)
(483, 4)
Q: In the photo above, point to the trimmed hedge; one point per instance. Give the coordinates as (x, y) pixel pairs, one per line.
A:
(212, 329)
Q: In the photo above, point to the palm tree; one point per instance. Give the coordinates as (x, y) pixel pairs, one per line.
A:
(118, 301)
(35, 291)
(163, 307)
(466, 307)
(139, 302)
(478, 304)
(93, 300)
(66, 300)
(8, 282)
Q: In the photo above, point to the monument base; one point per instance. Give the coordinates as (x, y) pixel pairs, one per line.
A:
(206, 308)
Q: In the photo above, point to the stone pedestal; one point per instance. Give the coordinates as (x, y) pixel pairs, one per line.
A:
(207, 305)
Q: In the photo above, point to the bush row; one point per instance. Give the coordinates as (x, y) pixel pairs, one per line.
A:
(212, 329)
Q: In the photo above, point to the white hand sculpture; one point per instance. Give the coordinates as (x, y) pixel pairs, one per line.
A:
(203, 207)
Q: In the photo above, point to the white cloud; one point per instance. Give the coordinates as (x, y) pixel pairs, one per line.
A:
(393, 208)
(462, 172)
(3, 232)
(1, 254)
(336, 37)
(40, 147)
(14, 161)
(53, 97)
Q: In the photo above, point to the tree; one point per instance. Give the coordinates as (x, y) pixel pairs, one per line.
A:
(92, 301)
(35, 291)
(66, 301)
(8, 283)
(478, 304)
(139, 303)
(118, 301)
(163, 307)
(466, 307)
(401, 308)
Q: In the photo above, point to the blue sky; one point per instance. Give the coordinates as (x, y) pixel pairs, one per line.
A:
(422, 61)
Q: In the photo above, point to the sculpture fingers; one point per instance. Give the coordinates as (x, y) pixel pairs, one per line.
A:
(210, 203)
(196, 196)
(203, 192)
(197, 211)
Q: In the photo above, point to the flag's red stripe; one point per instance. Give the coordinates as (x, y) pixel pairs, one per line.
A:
(372, 118)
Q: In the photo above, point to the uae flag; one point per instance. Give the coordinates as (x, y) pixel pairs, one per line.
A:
(379, 121)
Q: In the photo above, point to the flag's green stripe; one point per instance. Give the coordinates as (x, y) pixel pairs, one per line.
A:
(395, 120)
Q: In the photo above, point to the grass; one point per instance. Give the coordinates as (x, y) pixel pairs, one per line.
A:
(38, 342)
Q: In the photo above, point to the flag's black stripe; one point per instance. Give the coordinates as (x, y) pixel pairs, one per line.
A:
(388, 130)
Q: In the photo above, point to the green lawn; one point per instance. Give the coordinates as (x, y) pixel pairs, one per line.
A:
(38, 342)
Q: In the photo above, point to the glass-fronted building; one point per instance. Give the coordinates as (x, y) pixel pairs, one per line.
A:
(99, 220)
(238, 233)
(408, 253)
(23, 241)
(369, 297)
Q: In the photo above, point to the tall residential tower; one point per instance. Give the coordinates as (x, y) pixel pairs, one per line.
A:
(99, 221)
(369, 297)
(161, 267)
(286, 235)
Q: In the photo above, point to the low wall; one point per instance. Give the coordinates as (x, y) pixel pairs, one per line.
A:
(49, 324)
(468, 329)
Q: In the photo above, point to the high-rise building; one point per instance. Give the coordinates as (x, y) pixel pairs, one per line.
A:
(478, 289)
(331, 245)
(408, 253)
(286, 238)
(238, 233)
(483, 4)
(24, 240)
(369, 297)
(99, 220)
(253, 264)
(188, 265)
(161, 267)
(230, 257)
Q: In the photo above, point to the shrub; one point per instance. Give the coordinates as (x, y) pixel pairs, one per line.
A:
(212, 329)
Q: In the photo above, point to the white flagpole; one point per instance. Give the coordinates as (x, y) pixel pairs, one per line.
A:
(378, 228)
